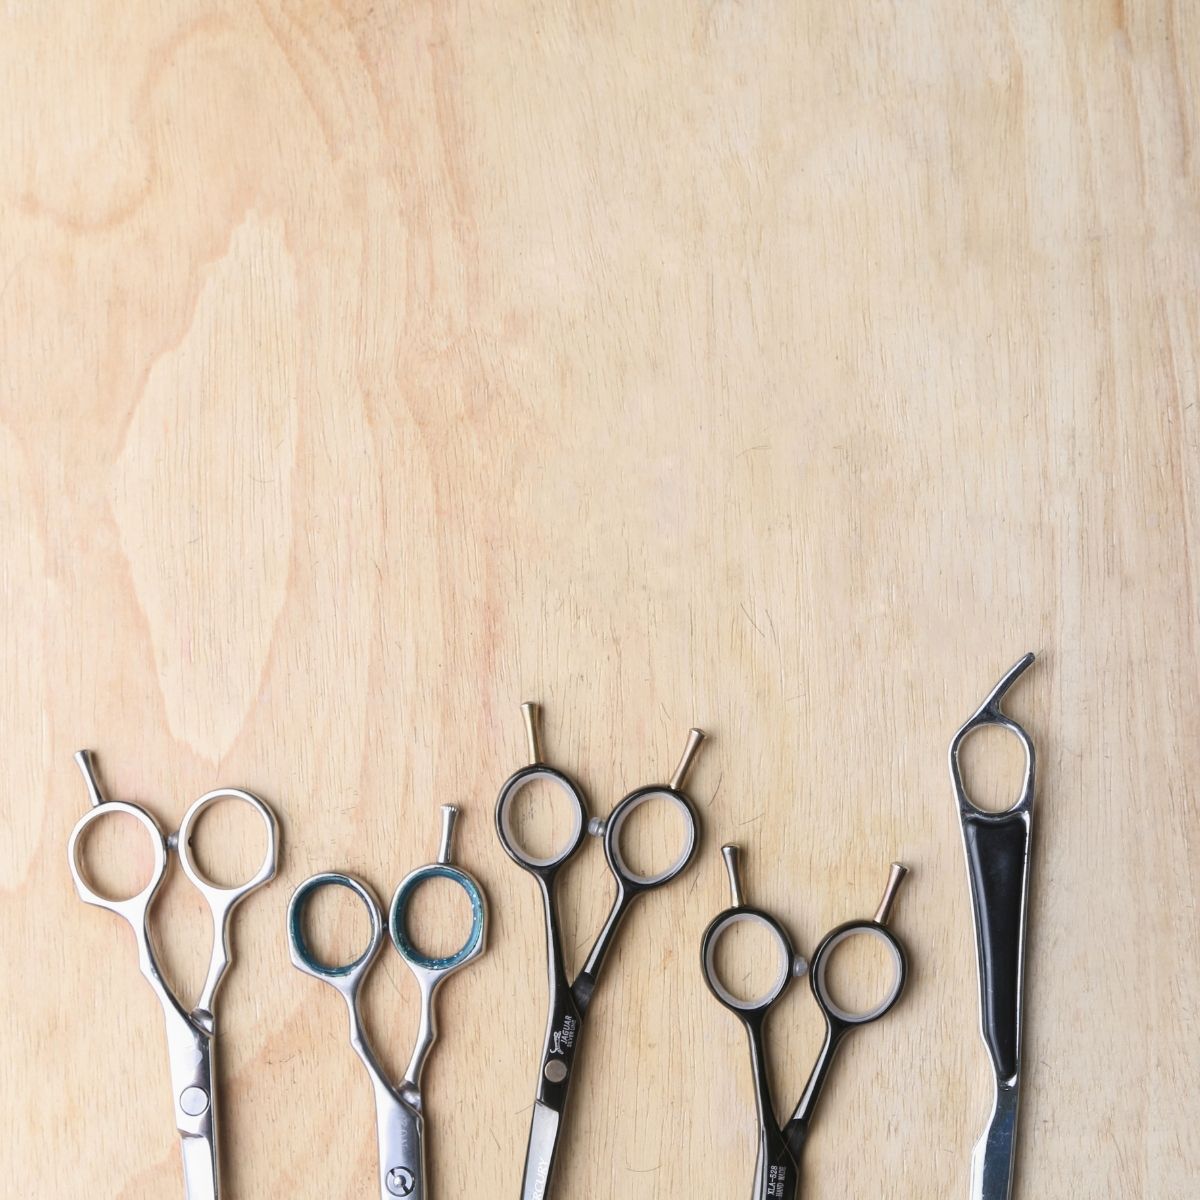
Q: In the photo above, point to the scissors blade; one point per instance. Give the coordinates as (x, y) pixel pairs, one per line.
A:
(539, 1157)
(199, 1168)
(992, 1160)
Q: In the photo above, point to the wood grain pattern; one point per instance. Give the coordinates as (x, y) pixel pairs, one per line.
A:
(786, 369)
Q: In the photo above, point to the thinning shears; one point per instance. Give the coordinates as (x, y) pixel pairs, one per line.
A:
(777, 1171)
(190, 1035)
(399, 1109)
(569, 1003)
(997, 851)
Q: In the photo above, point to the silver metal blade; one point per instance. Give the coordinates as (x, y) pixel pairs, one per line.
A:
(992, 1161)
(539, 1158)
(199, 1168)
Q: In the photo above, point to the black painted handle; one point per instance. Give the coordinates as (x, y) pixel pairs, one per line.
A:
(998, 861)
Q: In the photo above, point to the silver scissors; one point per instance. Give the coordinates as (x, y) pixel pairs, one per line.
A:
(569, 1002)
(189, 1034)
(777, 1171)
(997, 851)
(399, 1110)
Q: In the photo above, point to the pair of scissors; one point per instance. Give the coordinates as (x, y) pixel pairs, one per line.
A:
(777, 1171)
(569, 1002)
(189, 1034)
(399, 1109)
(997, 851)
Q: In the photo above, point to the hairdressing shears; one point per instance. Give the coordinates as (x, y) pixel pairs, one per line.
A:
(399, 1110)
(997, 850)
(569, 1002)
(190, 1035)
(777, 1171)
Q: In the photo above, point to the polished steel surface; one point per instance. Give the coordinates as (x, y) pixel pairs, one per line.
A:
(399, 1108)
(997, 847)
(190, 1034)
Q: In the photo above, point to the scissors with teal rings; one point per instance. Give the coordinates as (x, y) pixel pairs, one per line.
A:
(569, 1002)
(777, 1171)
(399, 1109)
(190, 1035)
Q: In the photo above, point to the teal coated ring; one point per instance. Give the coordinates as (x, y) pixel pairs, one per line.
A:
(300, 898)
(400, 902)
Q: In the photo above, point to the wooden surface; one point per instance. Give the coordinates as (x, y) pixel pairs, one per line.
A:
(785, 369)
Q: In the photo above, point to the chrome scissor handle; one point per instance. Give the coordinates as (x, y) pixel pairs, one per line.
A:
(997, 848)
(132, 908)
(223, 900)
(189, 1034)
(430, 971)
(991, 713)
(346, 978)
(135, 909)
(400, 1120)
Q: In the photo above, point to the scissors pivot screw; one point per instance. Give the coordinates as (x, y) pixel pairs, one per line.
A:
(400, 1181)
(556, 1070)
(193, 1101)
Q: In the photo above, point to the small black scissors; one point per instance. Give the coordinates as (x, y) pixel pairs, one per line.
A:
(569, 1002)
(777, 1172)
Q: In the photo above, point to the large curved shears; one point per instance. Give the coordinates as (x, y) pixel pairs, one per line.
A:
(569, 1002)
(777, 1171)
(189, 1034)
(997, 850)
(399, 1109)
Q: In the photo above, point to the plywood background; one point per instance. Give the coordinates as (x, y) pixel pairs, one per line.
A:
(782, 368)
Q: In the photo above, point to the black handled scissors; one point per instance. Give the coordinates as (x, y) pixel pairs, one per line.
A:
(997, 850)
(569, 1002)
(777, 1172)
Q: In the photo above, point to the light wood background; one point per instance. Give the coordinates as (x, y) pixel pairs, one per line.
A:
(783, 368)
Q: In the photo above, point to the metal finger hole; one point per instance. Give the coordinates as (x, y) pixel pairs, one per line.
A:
(746, 962)
(228, 840)
(115, 855)
(992, 763)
